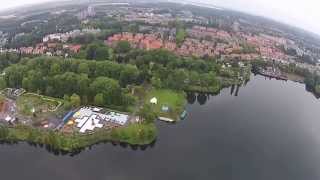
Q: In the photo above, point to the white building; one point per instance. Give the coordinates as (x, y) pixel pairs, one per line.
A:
(89, 118)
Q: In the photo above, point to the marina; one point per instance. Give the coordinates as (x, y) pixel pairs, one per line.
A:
(273, 72)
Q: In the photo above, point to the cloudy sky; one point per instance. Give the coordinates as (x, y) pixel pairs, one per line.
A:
(301, 13)
(5, 4)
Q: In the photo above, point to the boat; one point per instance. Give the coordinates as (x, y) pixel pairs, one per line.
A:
(183, 115)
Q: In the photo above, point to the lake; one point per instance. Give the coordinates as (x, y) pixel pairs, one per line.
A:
(265, 130)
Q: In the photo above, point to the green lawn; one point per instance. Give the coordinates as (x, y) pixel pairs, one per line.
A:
(175, 100)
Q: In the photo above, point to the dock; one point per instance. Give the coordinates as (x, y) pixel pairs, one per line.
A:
(166, 119)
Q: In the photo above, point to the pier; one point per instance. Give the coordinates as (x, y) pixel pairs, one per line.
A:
(166, 119)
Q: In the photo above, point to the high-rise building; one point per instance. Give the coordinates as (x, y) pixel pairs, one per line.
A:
(91, 11)
(88, 12)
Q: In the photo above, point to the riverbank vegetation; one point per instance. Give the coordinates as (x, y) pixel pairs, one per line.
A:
(285, 68)
(295, 73)
(313, 83)
(135, 134)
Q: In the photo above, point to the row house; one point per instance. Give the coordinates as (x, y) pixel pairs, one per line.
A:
(258, 41)
(50, 49)
(276, 40)
(171, 46)
(64, 37)
(143, 41)
(197, 48)
(241, 57)
(26, 50)
(273, 54)
(189, 47)
(72, 48)
(202, 32)
(8, 50)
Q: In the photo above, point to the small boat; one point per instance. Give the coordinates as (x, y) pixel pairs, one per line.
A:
(183, 115)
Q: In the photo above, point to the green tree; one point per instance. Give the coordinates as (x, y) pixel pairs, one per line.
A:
(3, 83)
(52, 139)
(123, 47)
(102, 53)
(156, 82)
(49, 91)
(55, 69)
(193, 78)
(110, 89)
(96, 51)
(147, 113)
(33, 135)
(91, 51)
(75, 100)
(99, 99)
(177, 80)
(14, 75)
(83, 83)
(66, 97)
(35, 81)
(67, 105)
(317, 89)
(4, 132)
(128, 75)
(83, 68)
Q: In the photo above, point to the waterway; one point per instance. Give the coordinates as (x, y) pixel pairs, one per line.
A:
(264, 130)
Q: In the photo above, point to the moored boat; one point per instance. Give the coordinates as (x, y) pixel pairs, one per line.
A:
(183, 115)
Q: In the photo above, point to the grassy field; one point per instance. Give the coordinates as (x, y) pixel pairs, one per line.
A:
(176, 102)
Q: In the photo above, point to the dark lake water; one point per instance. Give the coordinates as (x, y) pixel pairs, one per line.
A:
(270, 131)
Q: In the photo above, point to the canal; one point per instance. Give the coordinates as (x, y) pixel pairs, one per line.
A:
(265, 130)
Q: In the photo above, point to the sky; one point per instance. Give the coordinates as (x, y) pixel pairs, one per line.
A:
(301, 13)
(6, 4)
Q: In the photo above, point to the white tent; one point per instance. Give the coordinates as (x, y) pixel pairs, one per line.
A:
(154, 100)
(8, 118)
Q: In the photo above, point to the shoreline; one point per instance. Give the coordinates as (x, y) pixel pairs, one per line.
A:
(74, 142)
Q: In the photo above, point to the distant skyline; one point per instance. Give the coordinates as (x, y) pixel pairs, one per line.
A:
(304, 14)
